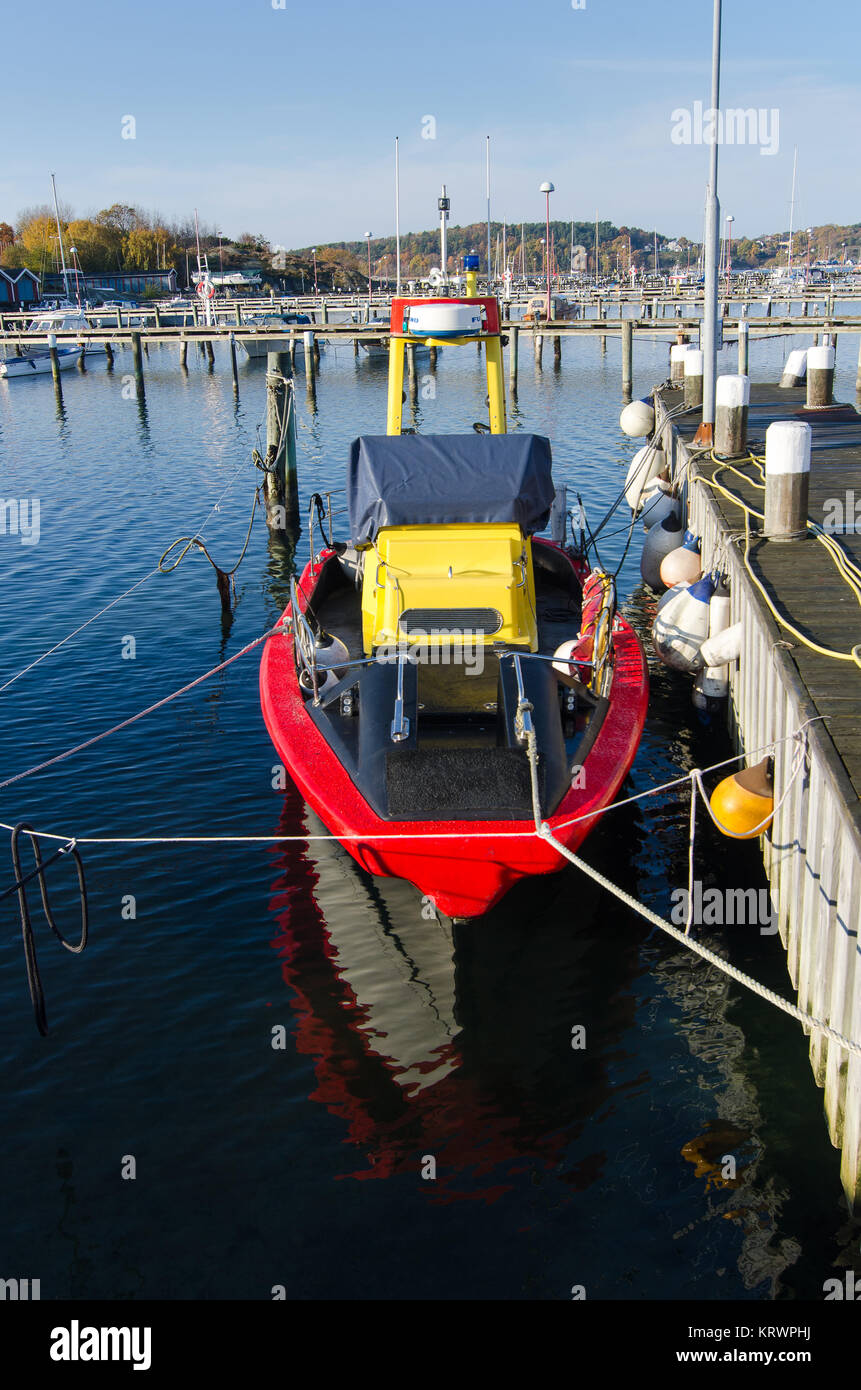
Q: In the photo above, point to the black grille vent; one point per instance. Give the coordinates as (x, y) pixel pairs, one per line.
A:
(456, 620)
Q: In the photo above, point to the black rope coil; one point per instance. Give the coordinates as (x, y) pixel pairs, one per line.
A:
(34, 981)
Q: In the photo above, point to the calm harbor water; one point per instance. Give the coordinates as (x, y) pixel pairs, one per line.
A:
(301, 1165)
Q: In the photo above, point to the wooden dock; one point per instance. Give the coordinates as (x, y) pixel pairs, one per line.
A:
(812, 853)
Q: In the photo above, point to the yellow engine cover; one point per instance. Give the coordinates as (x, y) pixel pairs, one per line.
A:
(437, 583)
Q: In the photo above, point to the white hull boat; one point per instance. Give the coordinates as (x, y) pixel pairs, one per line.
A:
(37, 363)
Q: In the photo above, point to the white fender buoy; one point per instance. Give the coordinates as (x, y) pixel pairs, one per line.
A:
(711, 686)
(565, 658)
(637, 419)
(658, 543)
(657, 502)
(684, 564)
(682, 626)
(646, 464)
(722, 647)
(670, 594)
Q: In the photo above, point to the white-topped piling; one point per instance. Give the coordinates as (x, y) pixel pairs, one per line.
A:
(787, 479)
(820, 376)
(678, 352)
(694, 366)
(732, 399)
(795, 368)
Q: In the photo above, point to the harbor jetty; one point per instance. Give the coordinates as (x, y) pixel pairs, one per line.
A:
(799, 669)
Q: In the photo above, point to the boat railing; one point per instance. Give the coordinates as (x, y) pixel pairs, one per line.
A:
(602, 643)
(304, 645)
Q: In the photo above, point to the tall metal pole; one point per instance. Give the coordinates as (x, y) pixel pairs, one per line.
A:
(792, 208)
(397, 218)
(488, 210)
(705, 433)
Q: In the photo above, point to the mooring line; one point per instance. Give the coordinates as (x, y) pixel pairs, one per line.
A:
(542, 829)
(136, 585)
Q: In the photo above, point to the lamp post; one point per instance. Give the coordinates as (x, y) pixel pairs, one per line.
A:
(729, 221)
(314, 255)
(74, 254)
(547, 188)
(368, 236)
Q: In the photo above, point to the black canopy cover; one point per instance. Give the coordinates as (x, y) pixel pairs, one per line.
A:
(415, 480)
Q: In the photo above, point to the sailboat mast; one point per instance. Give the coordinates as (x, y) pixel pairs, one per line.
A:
(488, 207)
(792, 208)
(60, 238)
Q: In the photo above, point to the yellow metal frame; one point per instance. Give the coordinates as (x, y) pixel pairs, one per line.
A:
(495, 380)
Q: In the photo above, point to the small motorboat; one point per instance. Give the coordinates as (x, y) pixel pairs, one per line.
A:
(37, 363)
(269, 323)
(446, 681)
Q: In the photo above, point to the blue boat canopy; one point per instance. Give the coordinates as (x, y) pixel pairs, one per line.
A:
(441, 479)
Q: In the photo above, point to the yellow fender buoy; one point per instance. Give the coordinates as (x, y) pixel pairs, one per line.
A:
(743, 804)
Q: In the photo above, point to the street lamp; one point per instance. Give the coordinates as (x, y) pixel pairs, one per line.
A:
(314, 254)
(73, 251)
(368, 236)
(729, 221)
(547, 188)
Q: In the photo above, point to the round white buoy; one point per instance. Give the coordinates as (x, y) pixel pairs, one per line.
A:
(646, 464)
(684, 564)
(682, 626)
(637, 418)
(658, 504)
(662, 538)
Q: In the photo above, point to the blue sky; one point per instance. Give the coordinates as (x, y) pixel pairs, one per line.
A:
(282, 120)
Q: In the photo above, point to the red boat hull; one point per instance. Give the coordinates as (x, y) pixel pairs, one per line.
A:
(463, 867)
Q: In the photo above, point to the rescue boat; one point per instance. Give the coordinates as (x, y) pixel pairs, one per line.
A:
(445, 681)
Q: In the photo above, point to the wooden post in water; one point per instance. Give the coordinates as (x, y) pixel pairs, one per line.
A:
(308, 347)
(119, 318)
(233, 365)
(324, 311)
(210, 353)
(432, 359)
(627, 358)
(513, 334)
(137, 359)
(787, 479)
(194, 313)
(557, 351)
(157, 313)
(280, 487)
(183, 354)
(237, 310)
(743, 347)
(55, 361)
(538, 344)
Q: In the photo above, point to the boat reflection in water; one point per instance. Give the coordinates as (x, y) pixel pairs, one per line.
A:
(451, 1042)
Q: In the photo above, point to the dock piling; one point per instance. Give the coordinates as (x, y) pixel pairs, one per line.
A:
(787, 479)
(233, 368)
(732, 399)
(743, 347)
(137, 357)
(55, 361)
(820, 376)
(627, 358)
(513, 336)
(694, 365)
(281, 487)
